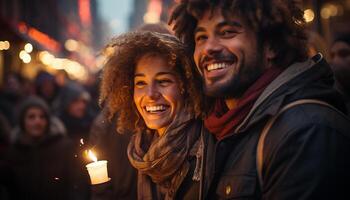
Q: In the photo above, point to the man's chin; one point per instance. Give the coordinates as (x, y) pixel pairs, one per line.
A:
(224, 91)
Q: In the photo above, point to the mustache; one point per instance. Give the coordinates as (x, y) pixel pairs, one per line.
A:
(217, 57)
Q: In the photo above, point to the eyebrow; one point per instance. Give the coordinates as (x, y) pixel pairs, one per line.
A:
(220, 25)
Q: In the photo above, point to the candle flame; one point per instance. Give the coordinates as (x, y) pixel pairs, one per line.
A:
(92, 156)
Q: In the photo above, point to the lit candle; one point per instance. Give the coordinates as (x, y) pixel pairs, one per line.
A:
(97, 170)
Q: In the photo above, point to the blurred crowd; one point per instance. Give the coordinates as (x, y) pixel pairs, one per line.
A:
(45, 125)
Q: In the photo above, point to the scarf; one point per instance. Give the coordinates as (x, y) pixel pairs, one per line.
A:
(222, 121)
(165, 157)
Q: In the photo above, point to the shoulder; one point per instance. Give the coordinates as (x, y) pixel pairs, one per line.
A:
(308, 124)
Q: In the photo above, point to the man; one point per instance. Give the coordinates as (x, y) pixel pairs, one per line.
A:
(340, 63)
(253, 61)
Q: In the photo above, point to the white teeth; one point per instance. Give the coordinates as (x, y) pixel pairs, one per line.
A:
(217, 66)
(155, 108)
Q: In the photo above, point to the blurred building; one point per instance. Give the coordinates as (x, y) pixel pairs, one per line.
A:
(49, 35)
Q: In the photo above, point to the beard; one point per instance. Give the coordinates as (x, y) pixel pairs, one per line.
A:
(240, 81)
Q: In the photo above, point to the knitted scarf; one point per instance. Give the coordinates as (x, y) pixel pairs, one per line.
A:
(165, 157)
(222, 121)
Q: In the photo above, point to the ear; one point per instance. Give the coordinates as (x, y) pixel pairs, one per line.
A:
(269, 55)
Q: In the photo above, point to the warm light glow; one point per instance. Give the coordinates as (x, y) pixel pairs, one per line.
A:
(325, 13)
(46, 58)
(333, 10)
(154, 10)
(71, 45)
(92, 156)
(151, 18)
(309, 15)
(84, 12)
(28, 47)
(4, 45)
(81, 141)
(22, 54)
(26, 58)
(44, 40)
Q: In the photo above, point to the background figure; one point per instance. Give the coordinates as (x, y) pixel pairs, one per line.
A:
(71, 107)
(40, 164)
(340, 63)
(10, 95)
(46, 87)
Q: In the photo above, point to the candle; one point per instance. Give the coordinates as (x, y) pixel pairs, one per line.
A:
(97, 170)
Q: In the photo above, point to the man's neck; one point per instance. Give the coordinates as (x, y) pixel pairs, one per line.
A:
(231, 103)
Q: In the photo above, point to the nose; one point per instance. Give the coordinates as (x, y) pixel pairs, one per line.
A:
(153, 92)
(212, 46)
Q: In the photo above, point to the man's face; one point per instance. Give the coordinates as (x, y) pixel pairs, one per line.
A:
(340, 63)
(226, 55)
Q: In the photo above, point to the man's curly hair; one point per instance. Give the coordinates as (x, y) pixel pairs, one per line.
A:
(117, 85)
(277, 23)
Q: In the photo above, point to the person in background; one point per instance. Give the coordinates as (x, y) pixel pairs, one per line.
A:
(149, 83)
(71, 106)
(46, 87)
(340, 63)
(252, 56)
(40, 164)
(11, 94)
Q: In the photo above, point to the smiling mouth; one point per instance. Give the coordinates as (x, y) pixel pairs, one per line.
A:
(156, 109)
(217, 66)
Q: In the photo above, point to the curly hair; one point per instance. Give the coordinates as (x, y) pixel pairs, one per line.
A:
(116, 92)
(277, 23)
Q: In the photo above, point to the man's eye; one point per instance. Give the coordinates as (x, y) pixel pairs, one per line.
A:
(199, 38)
(228, 33)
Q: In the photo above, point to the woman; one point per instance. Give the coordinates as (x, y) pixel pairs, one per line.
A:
(149, 81)
(40, 164)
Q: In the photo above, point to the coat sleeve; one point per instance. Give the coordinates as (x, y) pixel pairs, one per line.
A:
(307, 157)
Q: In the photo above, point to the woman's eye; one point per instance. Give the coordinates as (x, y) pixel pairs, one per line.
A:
(165, 82)
(140, 83)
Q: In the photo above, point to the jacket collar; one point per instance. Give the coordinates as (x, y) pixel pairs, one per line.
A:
(265, 105)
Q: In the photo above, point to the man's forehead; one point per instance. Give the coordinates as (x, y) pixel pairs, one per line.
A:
(215, 16)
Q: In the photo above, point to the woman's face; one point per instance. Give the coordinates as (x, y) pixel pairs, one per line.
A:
(35, 122)
(157, 92)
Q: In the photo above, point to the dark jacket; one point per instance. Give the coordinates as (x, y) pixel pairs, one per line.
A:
(112, 146)
(46, 170)
(44, 167)
(306, 153)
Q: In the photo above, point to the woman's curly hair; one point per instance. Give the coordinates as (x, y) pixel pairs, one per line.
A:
(117, 85)
(278, 23)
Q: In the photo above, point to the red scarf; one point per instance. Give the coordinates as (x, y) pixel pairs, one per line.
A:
(222, 121)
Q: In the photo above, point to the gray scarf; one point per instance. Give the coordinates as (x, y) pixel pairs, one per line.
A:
(166, 156)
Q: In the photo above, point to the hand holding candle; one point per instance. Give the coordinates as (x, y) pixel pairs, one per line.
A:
(97, 170)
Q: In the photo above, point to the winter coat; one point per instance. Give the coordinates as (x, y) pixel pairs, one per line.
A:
(306, 153)
(45, 168)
